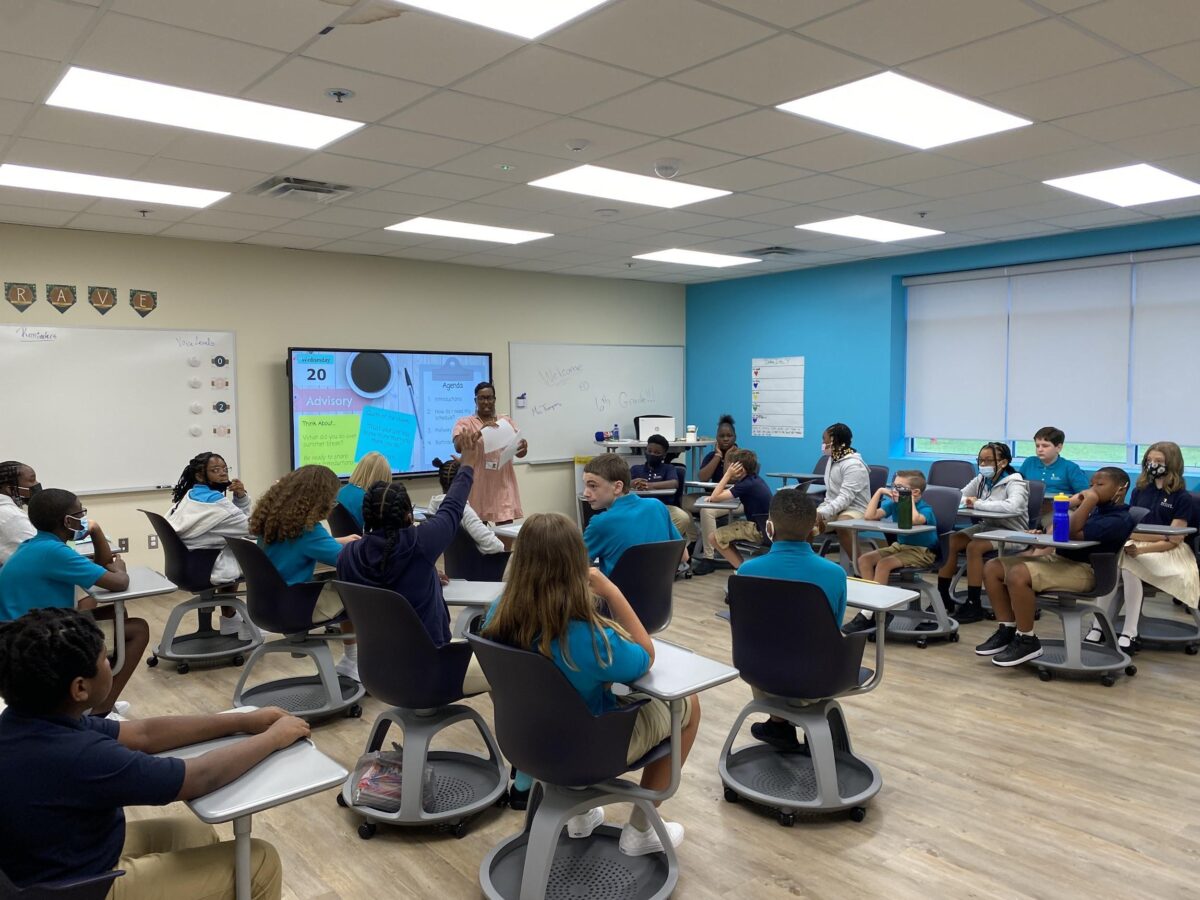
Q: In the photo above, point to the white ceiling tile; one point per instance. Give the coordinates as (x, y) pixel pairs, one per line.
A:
(1182, 61)
(281, 24)
(68, 126)
(1020, 143)
(776, 70)
(263, 206)
(1107, 85)
(141, 49)
(758, 132)
(970, 182)
(740, 206)
(838, 152)
(895, 31)
(551, 140)
(12, 113)
(205, 233)
(1092, 158)
(619, 231)
(31, 215)
(482, 214)
(745, 175)
(727, 228)
(94, 222)
(664, 109)
(658, 38)
(675, 220)
(812, 189)
(329, 230)
(225, 219)
(1138, 25)
(904, 169)
(27, 78)
(1015, 230)
(534, 265)
(1100, 218)
(396, 202)
(445, 184)
(870, 202)
(419, 47)
(304, 84)
(692, 158)
(74, 158)
(41, 28)
(550, 80)
(288, 241)
(786, 13)
(217, 178)
(44, 199)
(468, 118)
(1062, 6)
(345, 215)
(347, 170)
(394, 145)
(971, 222)
(1140, 117)
(529, 199)
(429, 253)
(219, 150)
(1064, 205)
(520, 168)
(1187, 206)
(132, 209)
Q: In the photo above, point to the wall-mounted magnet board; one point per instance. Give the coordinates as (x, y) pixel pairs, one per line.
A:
(105, 410)
(571, 391)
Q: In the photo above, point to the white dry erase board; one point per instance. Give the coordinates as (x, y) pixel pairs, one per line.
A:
(99, 410)
(571, 391)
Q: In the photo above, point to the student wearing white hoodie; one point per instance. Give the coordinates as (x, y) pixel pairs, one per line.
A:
(997, 488)
(205, 514)
(485, 539)
(847, 484)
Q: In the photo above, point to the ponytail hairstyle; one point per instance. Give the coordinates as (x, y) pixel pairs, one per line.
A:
(840, 437)
(387, 509)
(1001, 452)
(446, 471)
(194, 473)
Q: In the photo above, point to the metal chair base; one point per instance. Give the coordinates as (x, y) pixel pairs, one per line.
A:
(309, 697)
(206, 644)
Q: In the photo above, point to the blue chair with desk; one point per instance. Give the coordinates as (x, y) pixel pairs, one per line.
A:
(342, 522)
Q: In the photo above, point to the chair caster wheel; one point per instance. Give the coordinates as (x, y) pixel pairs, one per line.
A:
(1108, 680)
(1045, 674)
(922, 643)
(354, 712)
(459, 830)
(183, 668)
(1131, 670)
(990, 616)
(153, 661)
(1191, 649)
(858, 813)
(787, 820)
(731, 795)
(239, 660)
(341, 801)
(502, 800)
(954, 637)
(366, 830)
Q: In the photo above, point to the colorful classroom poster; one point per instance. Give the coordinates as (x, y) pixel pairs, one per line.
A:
(777, 396)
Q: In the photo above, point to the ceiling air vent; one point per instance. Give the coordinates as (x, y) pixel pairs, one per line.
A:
(774, 252)
(283, 188)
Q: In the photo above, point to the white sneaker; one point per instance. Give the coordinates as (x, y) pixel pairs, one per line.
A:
(121, 707)
(639, 843)
(348, 667)
(231, 625)
(116, 717)
(584, 824)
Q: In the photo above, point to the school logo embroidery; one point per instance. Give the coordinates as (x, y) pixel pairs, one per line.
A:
(20, 294)
(61, 296)
(102, 299)
(143, 302)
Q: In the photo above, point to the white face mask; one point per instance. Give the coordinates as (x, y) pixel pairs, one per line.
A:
(770, 530)
(987, 471)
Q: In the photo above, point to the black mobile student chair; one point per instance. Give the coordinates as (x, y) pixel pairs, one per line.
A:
(422, 684)
(463, 560)
(577, 760)
(955, 473)
(92, 887)
(787, 644)
(342, 522)
(645, 574)
(191, 570)
(287, 609)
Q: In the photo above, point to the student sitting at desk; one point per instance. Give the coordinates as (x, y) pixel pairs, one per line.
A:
(550, 606)
(1049, 466)
(371, 468)
(287, 522)
(630, 519)
(18, 484)
(44, 572)
(915, 550)
(997, 488)
(1013, 582)
(485, 539)
(712, 467)
(68, 776)
(791, 557)
(1166, 562)
(204, 514)
(742, 483)
(847, 479)
(659, 474)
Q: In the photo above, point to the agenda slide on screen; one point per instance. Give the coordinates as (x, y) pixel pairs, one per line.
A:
(346, 403)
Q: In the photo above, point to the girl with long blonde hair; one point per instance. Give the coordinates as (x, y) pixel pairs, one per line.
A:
(371, 468)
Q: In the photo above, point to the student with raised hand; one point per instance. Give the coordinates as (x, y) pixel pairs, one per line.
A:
(44, 572)
(658, 473)
(997, 488)
(485, 539)
(18, 485)
(741, 482)
(1049, 466)
(287, 522)
(1168, 563)
(68, 776)
(630, 520)
(550, 606)
(712, 468)
(1013, 582)
(371, 468)
(495, 496)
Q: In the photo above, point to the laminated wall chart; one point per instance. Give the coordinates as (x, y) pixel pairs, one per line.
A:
(777, 396)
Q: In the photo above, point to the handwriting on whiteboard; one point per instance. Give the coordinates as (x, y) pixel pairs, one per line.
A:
(543, 409)
(555, 377)
(36, 334)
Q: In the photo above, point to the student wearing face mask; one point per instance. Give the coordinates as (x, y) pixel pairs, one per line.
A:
(1168, 563)
(658, 473)
(44, 572)
(847, 483)
(18, 485)
(997, 488)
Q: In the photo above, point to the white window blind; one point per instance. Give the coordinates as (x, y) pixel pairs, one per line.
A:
(1166, 360)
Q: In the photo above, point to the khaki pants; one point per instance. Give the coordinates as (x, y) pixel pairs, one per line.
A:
(708, 526)
(1054, 573)
(682, 521)
(474, 681)
(171, 858)
(329, 605)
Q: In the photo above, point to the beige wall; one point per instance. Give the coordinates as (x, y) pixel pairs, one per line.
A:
(274, 298)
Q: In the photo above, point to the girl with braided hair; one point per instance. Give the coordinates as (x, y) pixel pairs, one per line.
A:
(18, 485)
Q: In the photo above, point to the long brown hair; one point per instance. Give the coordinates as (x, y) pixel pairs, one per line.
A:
(547, 588)
(294, 504)
(1173, 481)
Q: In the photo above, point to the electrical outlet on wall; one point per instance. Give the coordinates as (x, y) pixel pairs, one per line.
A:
(152, 541)
(123, 545)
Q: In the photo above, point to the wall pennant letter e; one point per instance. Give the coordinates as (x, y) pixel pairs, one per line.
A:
(143, 302)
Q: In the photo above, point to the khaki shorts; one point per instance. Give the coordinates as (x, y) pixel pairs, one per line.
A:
(1054, 573)
(329, 604)
(743, 530)
(907, 555)
(653, 724)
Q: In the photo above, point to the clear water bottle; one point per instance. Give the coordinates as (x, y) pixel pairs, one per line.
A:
(616, 432)
(1062, 518)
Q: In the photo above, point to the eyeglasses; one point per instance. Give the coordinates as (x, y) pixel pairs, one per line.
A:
(985, 462)
(78, 515)
(219, 470)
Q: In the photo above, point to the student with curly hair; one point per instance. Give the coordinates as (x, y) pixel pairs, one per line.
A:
(18, 485)
(371, 468)
(287, 522)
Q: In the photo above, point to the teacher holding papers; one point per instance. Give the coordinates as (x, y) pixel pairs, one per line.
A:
(494, 495)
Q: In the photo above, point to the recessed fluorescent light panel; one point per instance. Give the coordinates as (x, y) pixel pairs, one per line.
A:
(696, 258)
(869, 229)
(1129, 185)
(146, 101)
(101, 186)
(899, 109)
(596, 181)
(528, 19)
(467, 230)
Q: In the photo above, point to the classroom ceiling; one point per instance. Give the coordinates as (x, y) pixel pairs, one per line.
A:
(460, 118)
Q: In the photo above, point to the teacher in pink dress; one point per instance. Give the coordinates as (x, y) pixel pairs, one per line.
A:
(494, 495)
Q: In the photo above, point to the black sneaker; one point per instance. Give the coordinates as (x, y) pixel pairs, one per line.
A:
(998, 642)
(857, 624)
(702, 566)
(968, 613)
(518, 799)
(780, 735)
(1023, 648)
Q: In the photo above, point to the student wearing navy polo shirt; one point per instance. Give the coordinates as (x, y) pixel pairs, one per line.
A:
(67, 776)
(44, 572)
(1060, 475)
(629, 520)
(659, 474)
(793, 515)
(742, 483)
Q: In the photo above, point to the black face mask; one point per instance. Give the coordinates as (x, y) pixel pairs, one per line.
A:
(219, 486)
(1156, 470)
(654, 462)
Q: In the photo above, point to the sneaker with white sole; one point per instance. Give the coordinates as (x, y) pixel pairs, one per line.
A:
(1023, 648)
(122, 707)
(584, 824)
(348, 667)
(232, 625)
(998, 642)
(638, 843)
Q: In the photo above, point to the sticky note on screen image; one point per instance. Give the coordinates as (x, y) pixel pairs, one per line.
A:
(389, 432)
(328, 441)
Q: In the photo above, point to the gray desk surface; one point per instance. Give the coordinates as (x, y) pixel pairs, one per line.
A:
(87, 548)
(678, 672)
(656, 492)
(878, 597)
(1163, 530)
(1032, 540)
(970, 513)
(510, 530)
(799, 476)
(704, 485)
(471, 593)
(884, 526)
(705, 503)
(143, 582)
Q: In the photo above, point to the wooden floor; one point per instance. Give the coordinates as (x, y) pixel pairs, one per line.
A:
(995, 785)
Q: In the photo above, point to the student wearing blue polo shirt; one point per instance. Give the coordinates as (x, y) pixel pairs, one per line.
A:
(68, 776)
(44, 572)
(371, 468)
(1049, 466)
(793, 516)
(628, 519)
(660, 474)
(742, 483)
